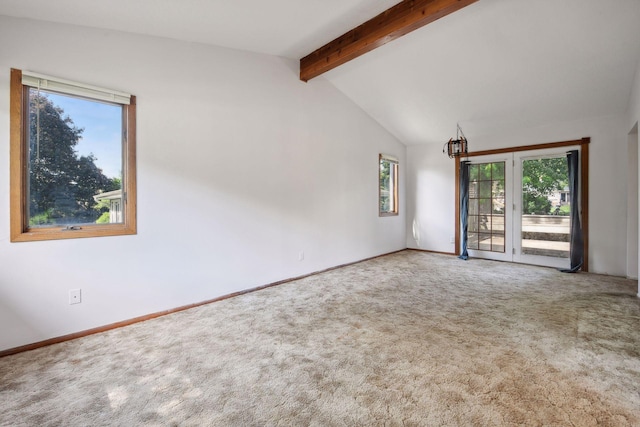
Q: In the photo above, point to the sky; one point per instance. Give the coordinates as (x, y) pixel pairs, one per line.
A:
(102, 125)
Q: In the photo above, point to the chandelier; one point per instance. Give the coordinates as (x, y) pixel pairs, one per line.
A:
(458, 146)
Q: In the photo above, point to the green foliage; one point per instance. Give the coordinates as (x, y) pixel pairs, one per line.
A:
(537, 205)
(487, 184)
(41, 219)
(105, 218)
(115, 184)
(540, 178)
(385, 191)
(486, 172)
(61, 183)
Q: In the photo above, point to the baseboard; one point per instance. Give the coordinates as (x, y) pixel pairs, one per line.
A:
(432, 252)
(128, 322)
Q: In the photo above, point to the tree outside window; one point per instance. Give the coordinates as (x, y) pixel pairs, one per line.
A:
(388, 190)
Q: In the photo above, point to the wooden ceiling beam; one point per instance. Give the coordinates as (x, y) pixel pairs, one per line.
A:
(391, 24)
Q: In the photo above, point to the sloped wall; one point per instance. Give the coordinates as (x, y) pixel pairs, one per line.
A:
(240, 168)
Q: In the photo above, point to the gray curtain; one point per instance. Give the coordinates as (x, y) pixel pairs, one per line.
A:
(464, 206)
(577, 241)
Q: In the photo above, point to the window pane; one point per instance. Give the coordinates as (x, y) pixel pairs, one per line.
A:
(497, 170)
(473, 206)
(485, 189)
(485, 206)
(497, 223)
(498, 196)
(545, 220)
(74, 160)
(473, 172)
(487, 209)
(472, 241)
(484, 243)
(473, 190)
(484, 171)
(497, 243)
(473, 223)
(388, 186)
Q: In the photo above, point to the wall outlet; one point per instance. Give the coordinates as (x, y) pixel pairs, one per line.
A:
(75, 296)
(301, 256)
(452, 240)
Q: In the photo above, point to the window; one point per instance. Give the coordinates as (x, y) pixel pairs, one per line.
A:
(388, 192)
(486, 207)
(72, 159)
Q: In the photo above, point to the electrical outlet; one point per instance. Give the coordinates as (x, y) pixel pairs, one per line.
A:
(74, 296)
(452, 240)
(301, 256)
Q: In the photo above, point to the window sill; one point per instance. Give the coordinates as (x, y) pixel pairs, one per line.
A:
(58, 233)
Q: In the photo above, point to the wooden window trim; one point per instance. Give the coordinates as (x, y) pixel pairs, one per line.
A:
(584, 187)
(20, 232)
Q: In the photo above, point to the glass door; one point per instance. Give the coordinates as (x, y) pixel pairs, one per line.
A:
(490, 220)
(519, 208)
(542, 223)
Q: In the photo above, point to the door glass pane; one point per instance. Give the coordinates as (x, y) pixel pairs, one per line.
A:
(545, 207)
(473, 206)
(484, 172)
(473, 223)
(486, 207)
(485, 242)
(497, 171)
(497, 223)
(473, 173)
(485, 189)
(497, 242)
(472, 241)
(473, 189)
(498, 196)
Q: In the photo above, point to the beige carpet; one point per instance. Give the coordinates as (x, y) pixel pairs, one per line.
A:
(407, 339)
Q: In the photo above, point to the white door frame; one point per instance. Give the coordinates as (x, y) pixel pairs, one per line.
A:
(518, 256)
(507, 255)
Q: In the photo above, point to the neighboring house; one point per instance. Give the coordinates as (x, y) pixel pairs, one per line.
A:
(115, 204)
(560, 197)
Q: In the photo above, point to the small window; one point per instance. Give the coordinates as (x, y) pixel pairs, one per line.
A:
(72, 159)
(388, 185)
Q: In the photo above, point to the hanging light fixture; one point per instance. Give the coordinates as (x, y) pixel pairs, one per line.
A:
(458, 146)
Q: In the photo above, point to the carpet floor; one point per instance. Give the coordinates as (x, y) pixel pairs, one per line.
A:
(409, 339)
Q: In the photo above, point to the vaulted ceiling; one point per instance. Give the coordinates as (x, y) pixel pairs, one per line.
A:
(494, 65)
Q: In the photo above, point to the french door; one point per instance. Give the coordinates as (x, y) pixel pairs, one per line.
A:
(490, 196)
(519, 207)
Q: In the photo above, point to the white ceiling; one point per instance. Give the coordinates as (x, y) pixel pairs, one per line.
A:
(289, 28)
(500, 65)
(495, 65)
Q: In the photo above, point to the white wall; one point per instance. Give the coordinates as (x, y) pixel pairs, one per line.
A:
(430, 199)
(634, 101)
(632, 123)
(431, 181)
(632, 205)
(240, 167)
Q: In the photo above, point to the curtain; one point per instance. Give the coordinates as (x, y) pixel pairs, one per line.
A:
(464, 206)
(577, 242)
